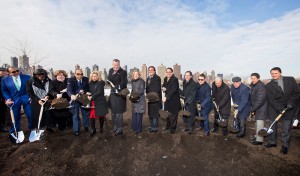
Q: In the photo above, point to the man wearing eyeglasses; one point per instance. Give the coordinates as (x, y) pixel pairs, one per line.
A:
(13, 89)
(78, 84)
(118, 77)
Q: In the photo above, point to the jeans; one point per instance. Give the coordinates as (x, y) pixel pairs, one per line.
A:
(137, 119)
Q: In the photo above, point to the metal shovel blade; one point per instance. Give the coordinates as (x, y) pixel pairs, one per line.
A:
(36, 135)
(233, 129)
(265, 132)
(19, 138)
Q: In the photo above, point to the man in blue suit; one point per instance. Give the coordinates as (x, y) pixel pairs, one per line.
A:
(13, 88)
(240, 94)
(78, 84)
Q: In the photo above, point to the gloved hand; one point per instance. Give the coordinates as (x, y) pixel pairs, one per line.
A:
(252, 113)
(73, 97)
(280, 109)
(164, 99)
(163, 89)
(289, 107)
(198, 106)
(58, 96)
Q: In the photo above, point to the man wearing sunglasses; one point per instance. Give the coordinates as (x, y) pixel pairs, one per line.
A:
(78, 84)
(13, 89)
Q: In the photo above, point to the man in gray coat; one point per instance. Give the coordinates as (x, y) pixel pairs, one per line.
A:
(282, 93)
(259, 105)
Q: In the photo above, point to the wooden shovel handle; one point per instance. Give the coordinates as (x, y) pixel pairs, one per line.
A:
(280, 115)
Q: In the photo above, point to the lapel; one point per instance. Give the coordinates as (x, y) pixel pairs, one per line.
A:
(275, 85)
(13, 83)
(285, 84)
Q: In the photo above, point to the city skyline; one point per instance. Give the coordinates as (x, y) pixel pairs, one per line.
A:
(238, 37)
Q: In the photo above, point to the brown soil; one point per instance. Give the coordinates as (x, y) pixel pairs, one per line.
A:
(147, 154)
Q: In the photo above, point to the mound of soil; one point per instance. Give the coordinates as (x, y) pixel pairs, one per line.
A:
(158, 153)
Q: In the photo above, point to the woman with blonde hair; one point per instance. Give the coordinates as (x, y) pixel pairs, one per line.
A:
(138, 101)
(98, 102)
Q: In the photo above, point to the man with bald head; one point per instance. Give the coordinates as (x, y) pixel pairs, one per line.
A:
(221, 95)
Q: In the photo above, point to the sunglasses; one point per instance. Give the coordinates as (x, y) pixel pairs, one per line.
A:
(79, 74)
(14, 71)
(201, 79)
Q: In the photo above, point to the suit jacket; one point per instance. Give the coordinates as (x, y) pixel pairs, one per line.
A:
(241, 96)
(72, 87)
(222, 97)
(190, 93)
(204, 97)
(278, 99)
(172, 94)
(259, 100)
(9, 89)
(119, 79)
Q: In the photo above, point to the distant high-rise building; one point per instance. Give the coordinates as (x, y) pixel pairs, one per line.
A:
(205, 73)
(87, 72)
(104, 75)
(95, 67)
(196, 76)
(39, 67)
(77, 67)
(70, 73)
(213, 75)
(24, 63)
(51, 73)
(125, 68)
(144, 72)
(161, 72)
(220, 75)
(177, 71)
(14, 62)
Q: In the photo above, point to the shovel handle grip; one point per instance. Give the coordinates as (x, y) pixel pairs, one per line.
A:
(12, 116)
(280, 115)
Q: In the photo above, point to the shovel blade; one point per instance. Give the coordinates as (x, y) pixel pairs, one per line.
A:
(264, 132)
(19, 138)
(36, 135)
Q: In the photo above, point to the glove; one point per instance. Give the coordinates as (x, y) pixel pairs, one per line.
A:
(164, 99)
(73, 97)
(289, 107)
(163, 89)
(199, 106)
(252, 113)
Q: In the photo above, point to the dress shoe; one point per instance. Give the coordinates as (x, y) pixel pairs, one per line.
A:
(86, 129)
(240, 136)
(225, 133)
(284, 150)
(118, 133)
(256, 143)
(92, 132)
(270, 145)
(76, 133)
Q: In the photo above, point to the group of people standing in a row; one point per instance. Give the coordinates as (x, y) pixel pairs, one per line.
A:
(198, 98)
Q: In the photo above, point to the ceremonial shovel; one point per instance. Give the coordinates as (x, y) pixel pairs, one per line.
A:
(221, 122)
(18, 136)
(38, 134)
(267, 131)
(162, 113)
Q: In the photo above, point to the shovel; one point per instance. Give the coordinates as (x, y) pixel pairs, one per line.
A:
(221, 122)
(234, 128)
(267, 131)
(162, 113)
(199, 117)
(36, 135)
(18, 137)
(183, 112)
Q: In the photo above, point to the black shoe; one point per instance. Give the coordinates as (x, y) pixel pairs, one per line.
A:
(86, 129)
(92, 132)
(50, 129)
(284, 150)
(119, 133)
(152, 131)
(256, 143)
(270, 145)
(101, 130)
(240, 136)
(214, 130)
(76, 133)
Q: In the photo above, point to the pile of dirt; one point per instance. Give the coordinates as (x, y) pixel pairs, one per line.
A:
(158, 153)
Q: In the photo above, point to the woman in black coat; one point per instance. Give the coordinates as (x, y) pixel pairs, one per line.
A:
(58, 90)
(98, 102)
(38, 90)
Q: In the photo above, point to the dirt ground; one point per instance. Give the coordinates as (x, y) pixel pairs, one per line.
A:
(146, 154)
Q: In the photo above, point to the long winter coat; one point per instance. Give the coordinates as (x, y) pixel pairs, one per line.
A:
(277, 99)
(97, 91)
(259, 100)
(119, 79)
(54, 88)
(38, 90)
(154, 85)
(222, 98)
(204, 97)
(190, 94)
(172, 103)
(138, 86)
(241, 96)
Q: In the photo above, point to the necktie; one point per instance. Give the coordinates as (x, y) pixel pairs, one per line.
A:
(16, 83)
(149, 79)
(79, 85)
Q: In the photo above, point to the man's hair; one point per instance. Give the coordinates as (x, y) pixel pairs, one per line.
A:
(202, 75)
(116, 60)
(276, 68)
(191, 74)
(256, 75)
(152, 67)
